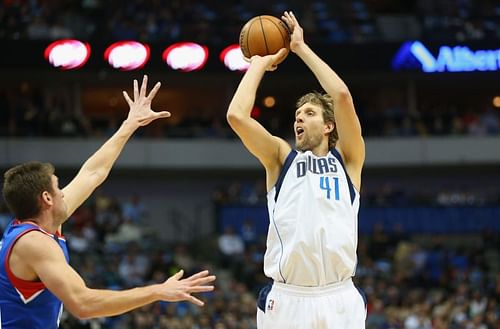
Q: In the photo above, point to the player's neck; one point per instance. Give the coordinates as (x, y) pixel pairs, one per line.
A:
(45, 222)
(320, 150)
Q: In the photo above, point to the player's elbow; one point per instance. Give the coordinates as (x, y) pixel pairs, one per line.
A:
(81, 306)
(343, 94)
(94, 176)
(100, 176)
(81, 311)
(234, 118)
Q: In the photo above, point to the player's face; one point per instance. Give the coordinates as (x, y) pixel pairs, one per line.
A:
(59, 209)
(309, 127)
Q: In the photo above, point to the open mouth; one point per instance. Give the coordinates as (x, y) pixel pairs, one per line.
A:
(299, 131)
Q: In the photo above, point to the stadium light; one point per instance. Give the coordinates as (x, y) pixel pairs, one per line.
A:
(127, 55)
(67, 54)
(233, 58)
(185, 56)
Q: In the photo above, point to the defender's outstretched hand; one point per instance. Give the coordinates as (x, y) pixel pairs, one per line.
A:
(140, 108)
(297, 36)
(176, 289)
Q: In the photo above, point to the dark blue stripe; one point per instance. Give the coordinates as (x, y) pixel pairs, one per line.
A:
(288, 162)
(284, 169)
(363, 295)
(281, 243)
(261, 300)
(349, 183)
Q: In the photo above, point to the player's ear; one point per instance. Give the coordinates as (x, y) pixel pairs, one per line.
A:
(329, 127)
(47, 198)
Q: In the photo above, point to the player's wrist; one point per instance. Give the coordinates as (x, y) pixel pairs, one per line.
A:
(154, 292)
(131, 124)
(299, 48)
(258, 66)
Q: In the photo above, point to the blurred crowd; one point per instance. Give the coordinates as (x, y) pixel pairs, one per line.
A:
(440, 282)
(411, 281)
(391, 193)
(29, 111)
(216, 22)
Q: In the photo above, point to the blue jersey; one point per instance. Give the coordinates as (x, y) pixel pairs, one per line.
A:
(26, 304)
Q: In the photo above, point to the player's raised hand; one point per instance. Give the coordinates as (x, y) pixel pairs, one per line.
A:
(269, 61)
(176, 289)
(140, 108)
(297, 36)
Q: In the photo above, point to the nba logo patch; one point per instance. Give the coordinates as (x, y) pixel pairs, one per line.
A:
(270, 305)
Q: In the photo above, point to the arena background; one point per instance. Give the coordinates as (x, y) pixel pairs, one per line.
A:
(186, 194)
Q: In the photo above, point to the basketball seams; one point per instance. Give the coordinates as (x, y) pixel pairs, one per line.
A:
(252, 35)
(259, 36)
(247, 43)
(244, 35)
(263, 34)
(280, 30)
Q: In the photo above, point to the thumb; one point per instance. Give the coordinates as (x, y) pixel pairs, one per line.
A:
(154, 116)
(178, 275)
(163, 114)
(281, 54)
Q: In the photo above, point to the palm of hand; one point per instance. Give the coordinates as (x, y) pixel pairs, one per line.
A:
(140, 107)
(297, 38)
(177, 289)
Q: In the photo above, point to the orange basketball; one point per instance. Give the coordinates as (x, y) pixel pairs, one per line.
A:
(264, 35)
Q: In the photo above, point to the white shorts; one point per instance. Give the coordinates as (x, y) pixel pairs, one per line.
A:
(337, 306)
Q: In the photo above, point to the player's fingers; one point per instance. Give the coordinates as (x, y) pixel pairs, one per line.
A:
(287, 23)
(150, 118)
(281, 53)
(201, 289)
(202, 281)
(154, 116)
(278, 58)
(144, 86)
(153, 92)
(163, 114)
(294, 19)
(136, 90)
(287, 19)
(127, 98)
(194, 300)
(197, 275)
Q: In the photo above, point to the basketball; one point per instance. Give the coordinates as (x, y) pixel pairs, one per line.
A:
(264, 35)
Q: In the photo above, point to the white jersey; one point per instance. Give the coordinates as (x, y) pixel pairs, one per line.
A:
(313, 229)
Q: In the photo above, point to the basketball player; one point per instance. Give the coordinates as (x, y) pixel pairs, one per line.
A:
(35, 277)
(312, 196)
